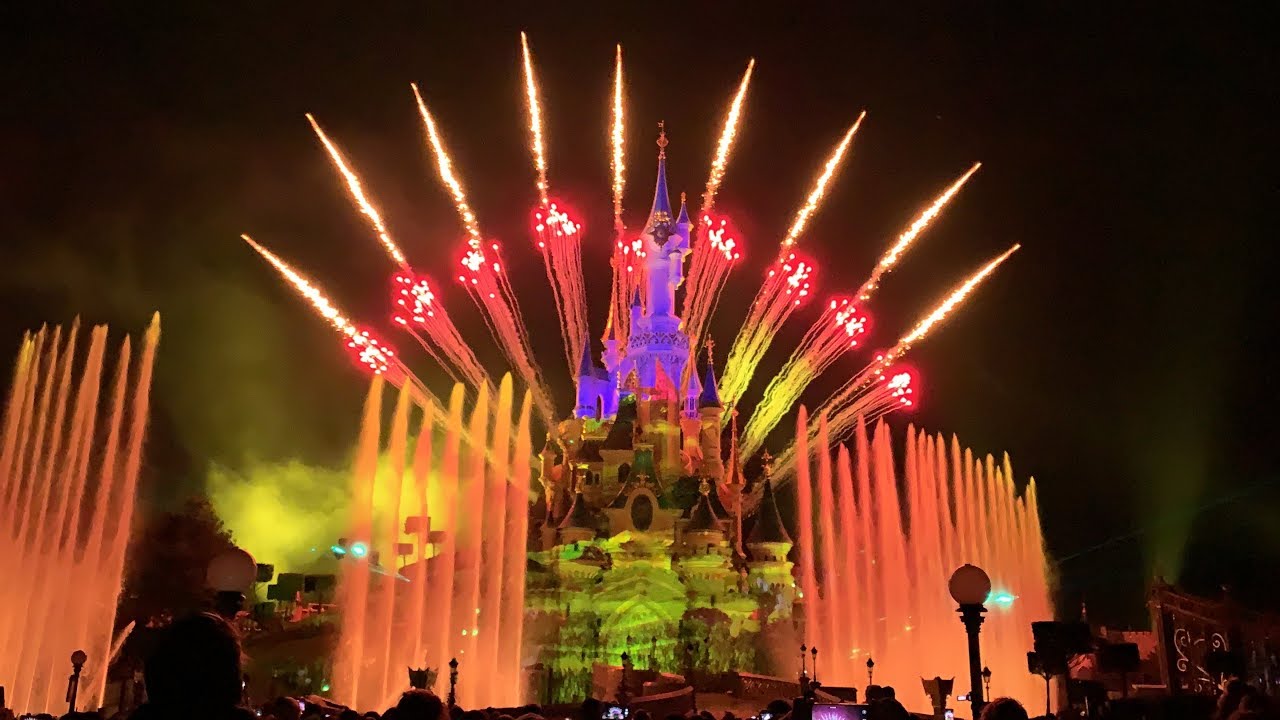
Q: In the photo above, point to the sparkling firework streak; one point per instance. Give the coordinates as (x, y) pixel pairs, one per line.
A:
(774, 301)
(838, 330)
(558, 237)
(835, 333)
(485, 279)
(617, 327)
(617, 162)
(908, 236)
(357, 194)
(363, 344)
(710, 265)
(820, 188)
(880, 387)
(535, 121)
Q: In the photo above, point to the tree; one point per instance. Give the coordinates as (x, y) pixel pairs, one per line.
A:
(165, 576)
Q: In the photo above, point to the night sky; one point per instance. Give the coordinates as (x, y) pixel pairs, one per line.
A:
(1125, 357)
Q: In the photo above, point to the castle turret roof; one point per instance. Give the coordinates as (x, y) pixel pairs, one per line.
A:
(768, 527)
(703, 516)
(710, 393)
(661, 212)
(683, 219)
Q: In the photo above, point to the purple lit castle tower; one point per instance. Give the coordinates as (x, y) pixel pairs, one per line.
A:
(640, 536)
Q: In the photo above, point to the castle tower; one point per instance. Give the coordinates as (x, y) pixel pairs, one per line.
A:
(656, 337)
(769, 543)
(711, 412)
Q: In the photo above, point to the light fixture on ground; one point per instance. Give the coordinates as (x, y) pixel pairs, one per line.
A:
(970, 587)
(229, 576)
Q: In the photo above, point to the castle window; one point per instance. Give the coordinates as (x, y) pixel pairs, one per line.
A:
(641, 512)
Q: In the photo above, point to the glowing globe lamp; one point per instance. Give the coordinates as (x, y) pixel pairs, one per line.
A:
(969, 585)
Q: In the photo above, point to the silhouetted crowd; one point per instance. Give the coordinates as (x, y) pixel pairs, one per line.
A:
(194, 673)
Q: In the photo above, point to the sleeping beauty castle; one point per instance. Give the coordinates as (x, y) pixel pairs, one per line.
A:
(649, 539)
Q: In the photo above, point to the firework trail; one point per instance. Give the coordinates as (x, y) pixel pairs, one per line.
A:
(486, 280)
(785, 286)
(624, 264)
(416, 305)
(836, 332)
(908, 236)
(357, 194)
(882, 386)
(711, 262)
(558, 237)
(535, 121)
(365, 347)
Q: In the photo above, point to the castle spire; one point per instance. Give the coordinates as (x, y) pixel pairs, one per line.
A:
(710, 393)
(683, 219)
(586, 367)
(661, 212)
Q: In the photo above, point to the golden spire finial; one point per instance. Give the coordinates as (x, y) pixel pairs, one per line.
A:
(767, 459)
(662, 139)
(704, 487)
(710, 345)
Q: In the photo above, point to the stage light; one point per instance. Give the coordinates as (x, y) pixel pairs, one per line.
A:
(359, 549)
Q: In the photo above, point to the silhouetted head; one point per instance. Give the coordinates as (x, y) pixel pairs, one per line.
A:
(887, 709)
(642, 715)
(778, 708)
(591, 709)
(420, 705)
(474, 715)
(1004, 709)
(284, 708)
(348, 714)
(195, 664)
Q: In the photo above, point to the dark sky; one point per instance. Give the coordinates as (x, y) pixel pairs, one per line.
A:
(1125, 357)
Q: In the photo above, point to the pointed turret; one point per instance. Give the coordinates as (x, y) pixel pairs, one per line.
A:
(661, 212)
(710, 397)
(768, 528)
(703, 517)
(586, 366)
(683, 218)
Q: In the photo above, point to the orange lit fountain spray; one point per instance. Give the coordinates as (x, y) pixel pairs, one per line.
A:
(67, 489)
(875, 578)
(443, 586)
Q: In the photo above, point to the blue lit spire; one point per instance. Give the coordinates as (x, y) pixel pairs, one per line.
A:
(661, 212)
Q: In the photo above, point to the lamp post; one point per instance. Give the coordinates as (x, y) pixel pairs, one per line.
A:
(970, 586)
(229, 575)
(78, 659)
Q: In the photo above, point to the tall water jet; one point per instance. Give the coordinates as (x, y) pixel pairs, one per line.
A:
(884, 548)
(67, 496)
(450, 584)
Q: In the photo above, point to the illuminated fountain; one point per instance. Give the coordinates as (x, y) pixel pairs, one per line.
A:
(68, 481)
(449, 584)
(874, 563)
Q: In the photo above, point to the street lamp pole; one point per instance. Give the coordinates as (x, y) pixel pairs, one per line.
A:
(970, 587)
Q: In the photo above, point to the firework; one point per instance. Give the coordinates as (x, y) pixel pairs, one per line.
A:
(557, 236)
(486, 280)
(779, 295)
(836, 332)
(882, 385)
(357, 194)
(364, 345)
(710, 265)
(908, 236)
